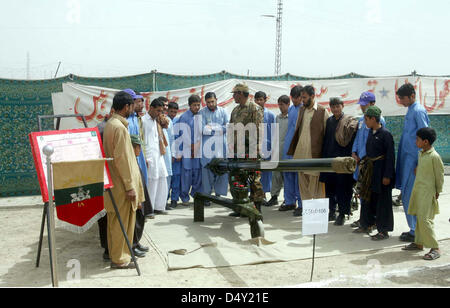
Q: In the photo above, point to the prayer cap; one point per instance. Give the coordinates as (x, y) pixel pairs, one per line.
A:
(373, 111)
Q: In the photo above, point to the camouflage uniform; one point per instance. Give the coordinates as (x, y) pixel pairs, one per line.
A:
(249, 113)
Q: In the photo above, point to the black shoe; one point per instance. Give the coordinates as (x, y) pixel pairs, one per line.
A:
(355, 224)
(173, 204)
(168, 207)
(339, 220)
(332, 217)
(142, 248)
(407, 237)
(106, 255)
(130, 265)
(207, 203)
(298, 212)
(234, 214)
(138, 253)
(284, 208)
(273, 201)
(157, 212)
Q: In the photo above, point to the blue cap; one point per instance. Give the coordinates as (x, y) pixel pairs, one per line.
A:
(133, 94)
(366, 98)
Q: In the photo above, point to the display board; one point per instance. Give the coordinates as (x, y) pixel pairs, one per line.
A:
(68, 145)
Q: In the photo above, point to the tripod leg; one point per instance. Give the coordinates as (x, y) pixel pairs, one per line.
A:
(133, 257)
(41, 236)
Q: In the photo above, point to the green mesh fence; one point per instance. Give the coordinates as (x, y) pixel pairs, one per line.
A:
(21, 101)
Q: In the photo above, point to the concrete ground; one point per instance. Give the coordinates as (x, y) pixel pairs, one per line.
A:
(80, 261)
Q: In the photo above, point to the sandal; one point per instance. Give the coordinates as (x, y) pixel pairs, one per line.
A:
(432, 255)
(412, 247)
(380, 236)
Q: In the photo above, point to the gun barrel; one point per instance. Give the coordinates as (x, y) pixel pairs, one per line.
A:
(336, 165)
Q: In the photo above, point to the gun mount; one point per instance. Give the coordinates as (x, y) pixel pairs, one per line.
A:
(242, 173)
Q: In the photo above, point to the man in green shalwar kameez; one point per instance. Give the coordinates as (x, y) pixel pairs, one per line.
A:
(427, 187)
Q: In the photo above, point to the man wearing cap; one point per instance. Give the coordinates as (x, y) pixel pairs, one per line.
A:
(377, 177)
(366, 100)
(250, 115)
(307, 143)
(408, 152)
(135, 128)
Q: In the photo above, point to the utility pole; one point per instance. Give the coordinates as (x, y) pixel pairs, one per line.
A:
(278, 40)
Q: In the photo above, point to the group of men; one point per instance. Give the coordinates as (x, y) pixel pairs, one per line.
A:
(171, 152)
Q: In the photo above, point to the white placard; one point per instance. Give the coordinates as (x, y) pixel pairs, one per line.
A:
(315, 216)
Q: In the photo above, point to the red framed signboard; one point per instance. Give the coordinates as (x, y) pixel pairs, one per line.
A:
(68, 145)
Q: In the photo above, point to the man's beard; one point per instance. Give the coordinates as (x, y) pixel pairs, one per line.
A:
(308, 103)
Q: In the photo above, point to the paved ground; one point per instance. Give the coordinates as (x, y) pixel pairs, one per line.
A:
(80, 261)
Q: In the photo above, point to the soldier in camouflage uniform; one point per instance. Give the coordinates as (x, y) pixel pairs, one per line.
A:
(247, 112)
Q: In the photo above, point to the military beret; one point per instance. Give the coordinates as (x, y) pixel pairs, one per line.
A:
(135, 139)
(240, 88)
(373, 111)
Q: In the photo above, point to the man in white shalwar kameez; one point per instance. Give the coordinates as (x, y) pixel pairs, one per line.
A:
(154, 152)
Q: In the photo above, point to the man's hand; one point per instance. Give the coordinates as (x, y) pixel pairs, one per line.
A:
(356, 157)
(386, 181)
(437, 196)
(130, 195)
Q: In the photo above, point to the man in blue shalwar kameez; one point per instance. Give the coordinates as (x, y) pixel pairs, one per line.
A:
(408, 152)
(134, 128)
(291, 187)
(214, 123)
(175, 182)
(269, 119)
(191, 171)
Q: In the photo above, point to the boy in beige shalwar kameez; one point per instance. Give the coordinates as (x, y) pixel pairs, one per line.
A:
(427, 187)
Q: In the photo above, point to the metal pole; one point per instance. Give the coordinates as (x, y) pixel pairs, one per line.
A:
(133, 257)
(41, 236)
(48, 151)
(314, 250)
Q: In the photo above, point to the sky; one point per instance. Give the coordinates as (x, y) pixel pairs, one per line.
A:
(321, 38)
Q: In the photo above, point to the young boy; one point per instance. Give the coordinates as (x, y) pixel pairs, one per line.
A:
(282, 120)
(269, 118)
(338, 187)
(427, 187)
(377, 185)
